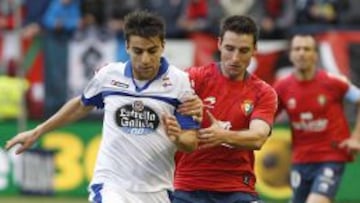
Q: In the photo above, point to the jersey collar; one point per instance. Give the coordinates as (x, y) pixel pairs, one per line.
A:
(164, 66)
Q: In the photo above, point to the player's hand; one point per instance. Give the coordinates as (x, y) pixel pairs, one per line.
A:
(213, 135)
(26, 139)
(192, 106)
(172, 127)
(352, 145)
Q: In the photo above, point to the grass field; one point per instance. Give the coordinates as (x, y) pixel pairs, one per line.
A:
(26, 199)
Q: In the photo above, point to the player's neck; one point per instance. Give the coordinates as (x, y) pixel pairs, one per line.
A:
(140, 83)
(305, 74)
(233, 77)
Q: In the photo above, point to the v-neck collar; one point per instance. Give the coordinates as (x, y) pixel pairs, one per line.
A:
(164, 66)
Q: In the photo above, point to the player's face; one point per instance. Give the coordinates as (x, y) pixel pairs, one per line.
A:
(236, 53)
(303, 53)
(145, 54)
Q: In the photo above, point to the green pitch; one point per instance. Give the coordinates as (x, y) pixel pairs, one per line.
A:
(25, 199)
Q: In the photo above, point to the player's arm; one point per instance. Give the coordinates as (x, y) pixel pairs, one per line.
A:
(192, 106)
(280, 104)
(182, 127)
(185, 140)
(252, 138)
(71, 111)
(352, 144)
(356, 131)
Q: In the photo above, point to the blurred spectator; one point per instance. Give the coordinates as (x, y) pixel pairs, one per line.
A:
(349, 15)
(34, 11)
(200, 21)
(277, 17)
(116, 11)
(62, 15)
(93, 21)
(93, 12)
(12, 89)
(171, 10)
(313, 16)
(250, 8)
(61, 19)
(201, 16)
(10, 19)
(7, 13)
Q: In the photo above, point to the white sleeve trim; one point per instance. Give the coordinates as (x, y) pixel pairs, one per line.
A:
(353, 94)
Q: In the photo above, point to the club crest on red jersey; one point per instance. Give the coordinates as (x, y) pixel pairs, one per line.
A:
(247, 107)
(291, 103)
(321, 99)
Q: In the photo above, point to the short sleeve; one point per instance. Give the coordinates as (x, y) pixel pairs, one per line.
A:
(353, 94)
(92, 92)
(339, 83)
(266, 106)
(186, 90)
(278, 90)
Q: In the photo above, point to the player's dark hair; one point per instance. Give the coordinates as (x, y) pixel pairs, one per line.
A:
(240, 25)
(144, 24)
(316, 48)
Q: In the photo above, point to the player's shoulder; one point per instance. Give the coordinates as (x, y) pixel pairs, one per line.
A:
(335, 76)
(256, 81)
(111, 68)
(208, 68)
(285, 78)
(175, 70)
(203, 73)
(283, 82)
(261, 86)
(176, 73)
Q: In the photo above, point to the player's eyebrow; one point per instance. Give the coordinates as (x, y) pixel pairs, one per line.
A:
(152, 48)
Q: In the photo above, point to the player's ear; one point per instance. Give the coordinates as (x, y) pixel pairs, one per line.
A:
(219, 41)
(127, 46)
(163, 44)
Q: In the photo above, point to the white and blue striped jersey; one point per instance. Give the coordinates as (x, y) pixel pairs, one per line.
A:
(135, 153)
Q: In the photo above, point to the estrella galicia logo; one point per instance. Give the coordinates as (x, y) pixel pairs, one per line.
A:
(137, 119)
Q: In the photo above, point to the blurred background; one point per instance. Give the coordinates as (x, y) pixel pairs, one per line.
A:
(50, 48)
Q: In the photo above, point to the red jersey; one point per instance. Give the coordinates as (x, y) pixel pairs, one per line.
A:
(315, 110)
(235, 104)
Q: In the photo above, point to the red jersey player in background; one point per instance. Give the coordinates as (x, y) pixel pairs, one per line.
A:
(313, 100)
(240, 111)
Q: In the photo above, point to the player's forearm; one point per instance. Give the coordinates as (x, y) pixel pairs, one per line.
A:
(71, 111)
(187, 141)
(356, 130)
(246, 139)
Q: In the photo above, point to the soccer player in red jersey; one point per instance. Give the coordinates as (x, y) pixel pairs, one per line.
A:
(313, 100)
(240, 111)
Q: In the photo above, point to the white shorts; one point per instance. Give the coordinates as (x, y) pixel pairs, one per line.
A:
(100, 193)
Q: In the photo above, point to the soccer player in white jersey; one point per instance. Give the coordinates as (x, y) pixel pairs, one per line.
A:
(135, 162)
